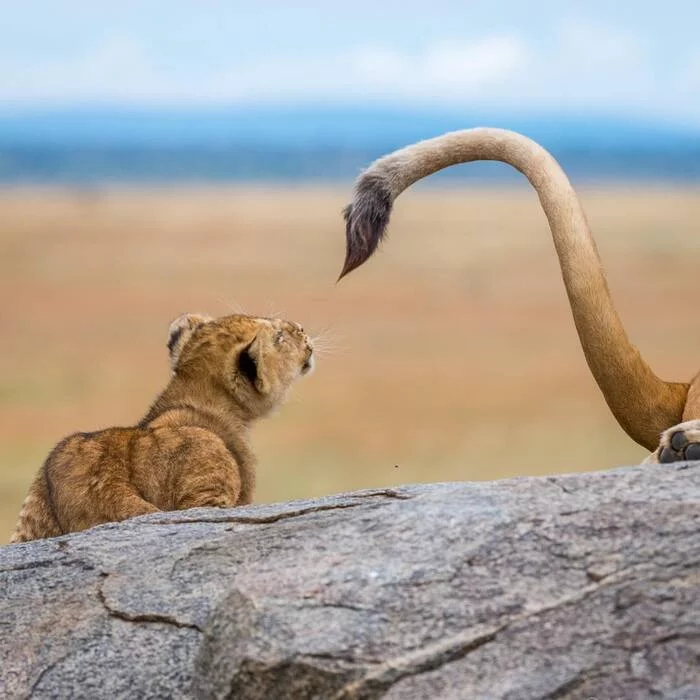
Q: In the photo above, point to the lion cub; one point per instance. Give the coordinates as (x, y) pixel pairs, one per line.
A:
(192, 448)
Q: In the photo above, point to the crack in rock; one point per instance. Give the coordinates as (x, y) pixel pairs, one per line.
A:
(255, 519)
(42, 563)
(556, 482)
(142, 617)
(426, 659)
(46, 670)
(388, 493)
(457, 647)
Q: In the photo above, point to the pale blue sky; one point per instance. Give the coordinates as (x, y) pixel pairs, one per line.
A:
(619, 56)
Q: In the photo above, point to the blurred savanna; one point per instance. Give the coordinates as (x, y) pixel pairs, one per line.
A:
(168, 157)
(452, 355)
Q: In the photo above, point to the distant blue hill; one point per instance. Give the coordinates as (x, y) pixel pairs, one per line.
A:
(92, 146)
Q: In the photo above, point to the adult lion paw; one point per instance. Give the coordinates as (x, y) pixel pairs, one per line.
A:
(680, 443)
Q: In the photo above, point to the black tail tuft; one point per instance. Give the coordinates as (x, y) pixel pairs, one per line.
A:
(366, 220)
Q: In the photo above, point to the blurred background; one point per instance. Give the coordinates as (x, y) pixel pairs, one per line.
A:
(173, 156)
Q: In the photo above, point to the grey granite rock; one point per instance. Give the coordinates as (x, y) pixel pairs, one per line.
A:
(576, 586)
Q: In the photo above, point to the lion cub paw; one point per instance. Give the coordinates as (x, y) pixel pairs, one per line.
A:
(680, 443)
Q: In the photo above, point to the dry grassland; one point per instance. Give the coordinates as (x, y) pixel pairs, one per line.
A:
(450, 356)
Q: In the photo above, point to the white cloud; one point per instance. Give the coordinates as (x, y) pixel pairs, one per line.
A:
(441, 69)
(590, 64)
(117, 68)
(120, 69)
(577, 63)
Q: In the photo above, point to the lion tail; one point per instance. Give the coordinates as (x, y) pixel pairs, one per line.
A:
(643, 404)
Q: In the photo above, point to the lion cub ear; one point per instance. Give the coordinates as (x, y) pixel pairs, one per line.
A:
(252, 365)
(180, 332)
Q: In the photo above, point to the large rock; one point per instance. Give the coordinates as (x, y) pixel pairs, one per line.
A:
(579, 586)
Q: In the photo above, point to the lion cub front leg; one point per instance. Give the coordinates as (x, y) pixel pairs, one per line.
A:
(207, 473)
(678, 444)
(209, 489)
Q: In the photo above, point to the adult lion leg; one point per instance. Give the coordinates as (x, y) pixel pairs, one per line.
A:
(681, 442)
(678, 444)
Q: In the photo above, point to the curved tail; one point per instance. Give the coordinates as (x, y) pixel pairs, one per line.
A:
(643, 404)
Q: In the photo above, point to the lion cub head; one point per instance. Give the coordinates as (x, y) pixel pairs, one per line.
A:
(253, 360)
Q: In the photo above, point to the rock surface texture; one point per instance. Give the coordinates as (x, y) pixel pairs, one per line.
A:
(576, 586)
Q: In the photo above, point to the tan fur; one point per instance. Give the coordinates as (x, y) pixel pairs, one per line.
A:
(643, 404)
(192, 448)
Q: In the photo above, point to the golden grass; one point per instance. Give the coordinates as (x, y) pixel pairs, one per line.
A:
(453, 354)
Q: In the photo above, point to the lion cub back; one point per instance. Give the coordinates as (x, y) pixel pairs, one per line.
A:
(71, 486)
(112, 474)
